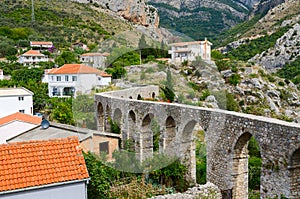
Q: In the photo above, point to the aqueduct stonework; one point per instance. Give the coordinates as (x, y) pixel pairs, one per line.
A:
(226, 135)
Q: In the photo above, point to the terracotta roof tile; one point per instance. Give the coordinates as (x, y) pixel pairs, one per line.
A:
(29, 164)
(95, 54)
(33, 52)
(41, 43)
(77, 69)
(20, 117)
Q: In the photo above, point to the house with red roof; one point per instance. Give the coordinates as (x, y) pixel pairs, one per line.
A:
(39, 45)
(189, 51)
(95, 60)
(43, 169)
(16, 124)
(74, 79)
(32, 58)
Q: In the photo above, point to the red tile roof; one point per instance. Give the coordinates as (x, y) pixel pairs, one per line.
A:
(95, 54)
(36, 163)
(20, 117)
(41, 43)
(33, 52)
(77, 69)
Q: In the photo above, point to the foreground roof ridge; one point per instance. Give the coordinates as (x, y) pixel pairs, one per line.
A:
(20, 117)
(32, 164)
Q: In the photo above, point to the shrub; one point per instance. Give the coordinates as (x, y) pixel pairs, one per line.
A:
(281, 83)
(114, 127)
(234, 79)
(205, 93)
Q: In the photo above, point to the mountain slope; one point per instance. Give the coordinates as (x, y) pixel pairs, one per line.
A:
(205, 18)
(60, 23)
(272, 41)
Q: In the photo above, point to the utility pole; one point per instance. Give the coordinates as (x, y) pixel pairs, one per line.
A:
(32, 11)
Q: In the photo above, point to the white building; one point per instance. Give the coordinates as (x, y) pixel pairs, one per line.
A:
(16, 124)
(183, 51)
(96, 60)
(74, 79)
(41, 45)
(15, 100)
(32, 57)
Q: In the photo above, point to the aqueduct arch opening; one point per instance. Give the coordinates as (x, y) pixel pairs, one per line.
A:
(188, 147)
(117, 117)
(146, 137)
(240, 167)
(132, 134)
(100, 113)
(107, 119)
(169, 143)
(295, 173)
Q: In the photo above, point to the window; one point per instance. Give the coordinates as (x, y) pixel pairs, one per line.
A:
(52, 78)
(22, 111)
(74, 78)
(66, 78)
(99, 78)
(21, 98)
(103, 146)
(58, 78)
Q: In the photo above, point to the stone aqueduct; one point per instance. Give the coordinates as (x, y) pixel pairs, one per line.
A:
(226, 135)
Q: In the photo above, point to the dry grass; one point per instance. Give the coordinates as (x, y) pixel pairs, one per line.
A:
(135, 189)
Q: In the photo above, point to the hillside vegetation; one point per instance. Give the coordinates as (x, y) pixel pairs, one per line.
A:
(62, 22)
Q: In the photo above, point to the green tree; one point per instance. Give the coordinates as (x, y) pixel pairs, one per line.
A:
(7, 49)
(61, 110)
(101, 177)
(66, 57)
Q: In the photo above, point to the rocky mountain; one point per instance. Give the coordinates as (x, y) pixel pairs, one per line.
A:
(136, 11)
(280, 28)
(202, 18)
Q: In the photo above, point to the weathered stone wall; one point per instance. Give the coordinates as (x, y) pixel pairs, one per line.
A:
(226, 134)
(92, 143)
(209, 191)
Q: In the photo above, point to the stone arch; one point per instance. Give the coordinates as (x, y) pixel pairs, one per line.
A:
(132, 129)
(117, 117)
(147, 137)
(188, 148)
(107, 119)
(295, 174)
(240, 167)
(170, 134)
(100, 112)
(153, 95)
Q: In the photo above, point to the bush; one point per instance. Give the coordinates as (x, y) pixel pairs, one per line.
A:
(114, 127)
(205, 93)
(234, 79)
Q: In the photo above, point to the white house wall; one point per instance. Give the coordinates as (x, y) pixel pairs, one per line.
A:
(64, 191)
(13, 129)
(11, 104)
(86, 82)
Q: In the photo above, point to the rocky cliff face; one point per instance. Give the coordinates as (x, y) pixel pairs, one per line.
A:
(286, 49)
(136, 11)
